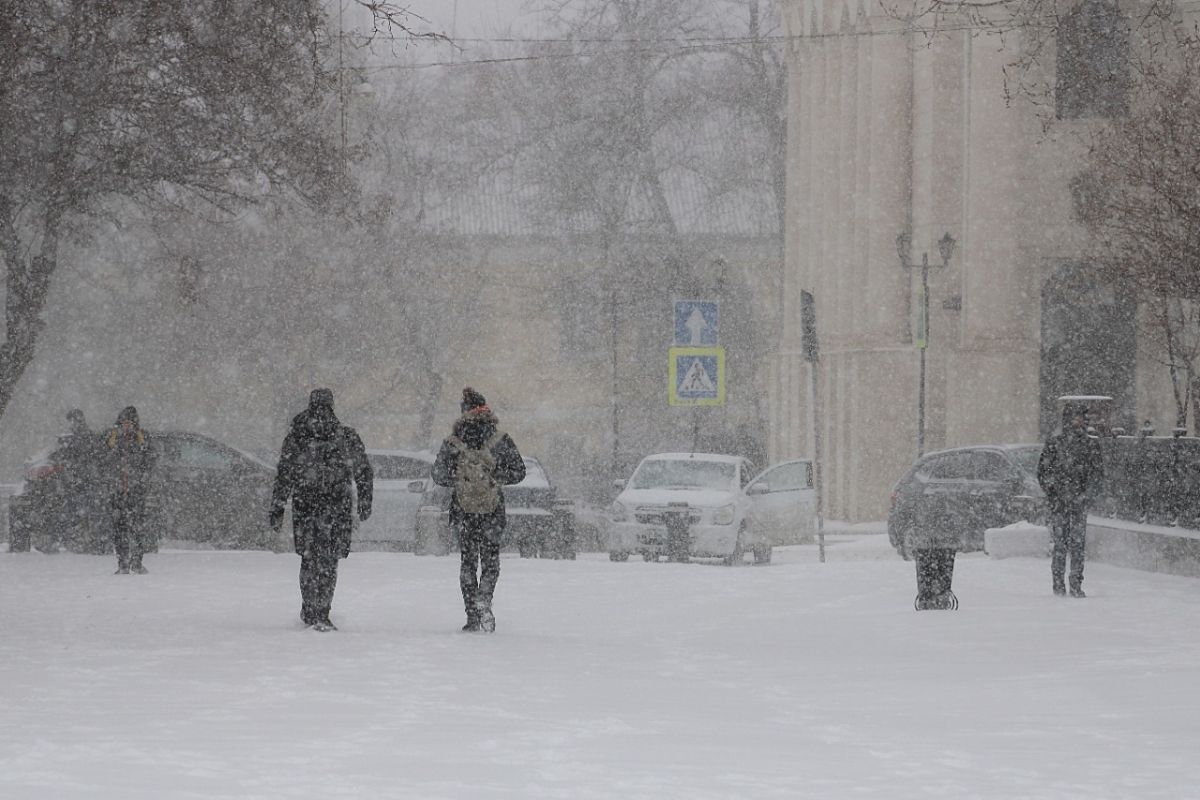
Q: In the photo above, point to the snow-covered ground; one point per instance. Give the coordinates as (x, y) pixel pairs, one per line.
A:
(604, 680)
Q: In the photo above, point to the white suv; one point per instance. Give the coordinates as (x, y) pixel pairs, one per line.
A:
(729, 510)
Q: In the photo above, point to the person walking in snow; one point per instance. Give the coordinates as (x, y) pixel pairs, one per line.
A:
(475, 461)
(1070, 472)
(130, 460)
(80, 452)
(319, 460)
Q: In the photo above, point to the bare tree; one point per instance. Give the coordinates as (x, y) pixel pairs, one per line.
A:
(1139, 195)
(147, 102)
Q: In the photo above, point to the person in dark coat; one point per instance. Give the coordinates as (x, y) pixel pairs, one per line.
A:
(475, 460)
(130, 460)
(80, 452)
(319, 459)
(1070, 471)
(934, 539)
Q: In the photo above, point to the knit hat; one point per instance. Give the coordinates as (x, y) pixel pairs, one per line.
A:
(320, 398)
(1073, 410)
(128, 414)
(471, 399)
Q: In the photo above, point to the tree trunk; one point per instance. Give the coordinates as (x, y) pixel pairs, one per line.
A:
(27, 284)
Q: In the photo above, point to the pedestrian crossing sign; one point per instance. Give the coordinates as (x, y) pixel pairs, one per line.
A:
(697, 376)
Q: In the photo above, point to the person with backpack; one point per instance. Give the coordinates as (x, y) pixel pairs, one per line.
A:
(1070, 472)
(129, 461)
(476, 460)
(319, 460)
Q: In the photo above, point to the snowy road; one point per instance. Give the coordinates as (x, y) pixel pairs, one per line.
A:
(604, 681)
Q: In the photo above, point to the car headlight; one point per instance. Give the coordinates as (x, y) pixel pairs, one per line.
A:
(619, 512)
(723, 515)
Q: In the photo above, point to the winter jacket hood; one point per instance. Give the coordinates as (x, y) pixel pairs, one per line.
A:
(315, 422)
(476, 426)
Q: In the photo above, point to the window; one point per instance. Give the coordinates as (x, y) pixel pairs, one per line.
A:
(951, 466)
(990, 467)
(199, 455)
(398, 468)
(1092, 61)
(685, 474)
(788, 477)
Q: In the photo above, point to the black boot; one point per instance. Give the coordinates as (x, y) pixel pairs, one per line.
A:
(472, 625)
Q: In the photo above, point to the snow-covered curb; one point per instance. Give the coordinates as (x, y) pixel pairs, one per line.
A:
(1154, 548)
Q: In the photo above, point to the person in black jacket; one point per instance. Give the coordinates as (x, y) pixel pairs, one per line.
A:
(1070, 471)
(476, 459)
(319, 459)
(129, 461)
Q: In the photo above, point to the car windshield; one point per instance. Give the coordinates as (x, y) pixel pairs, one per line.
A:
(685, 474)
(1027, 459)
(398, 468)
(535, 476)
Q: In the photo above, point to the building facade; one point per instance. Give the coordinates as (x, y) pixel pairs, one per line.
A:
(898, 129)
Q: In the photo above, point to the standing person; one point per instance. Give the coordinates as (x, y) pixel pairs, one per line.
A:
(934, 540)
(1070, 472)
(319, 459)
(475, 460)
(130, 460)
(80, 454)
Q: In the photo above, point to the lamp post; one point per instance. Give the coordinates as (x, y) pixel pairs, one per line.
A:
(904, 250)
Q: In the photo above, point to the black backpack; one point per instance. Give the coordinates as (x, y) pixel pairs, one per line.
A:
(323, 467)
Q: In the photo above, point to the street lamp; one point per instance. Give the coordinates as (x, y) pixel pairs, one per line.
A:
(945, 250)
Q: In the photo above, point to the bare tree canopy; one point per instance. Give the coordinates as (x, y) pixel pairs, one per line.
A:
(147, 102)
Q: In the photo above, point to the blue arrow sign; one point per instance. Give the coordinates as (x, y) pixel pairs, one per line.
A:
(696, 323)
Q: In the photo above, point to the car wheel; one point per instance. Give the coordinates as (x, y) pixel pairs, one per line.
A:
(762, 554)
(617, 555)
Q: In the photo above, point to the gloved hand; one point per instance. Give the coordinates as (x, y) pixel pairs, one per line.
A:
(300, 543)
(276, 519)
(364, 511)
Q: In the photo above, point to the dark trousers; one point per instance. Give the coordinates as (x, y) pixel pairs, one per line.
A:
(935, 572)
(318, 579)
(480, 568)
(1068, 532)
(129, 538)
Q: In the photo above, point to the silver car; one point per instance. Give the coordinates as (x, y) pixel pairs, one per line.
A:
(401, 478)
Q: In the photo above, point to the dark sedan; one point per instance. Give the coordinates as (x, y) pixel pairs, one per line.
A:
(988, 486)
(201, 491)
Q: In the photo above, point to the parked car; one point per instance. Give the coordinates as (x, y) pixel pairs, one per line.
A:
(730, 511)
(989, 486)
(200, 490)
(401, 480)
(540, 523)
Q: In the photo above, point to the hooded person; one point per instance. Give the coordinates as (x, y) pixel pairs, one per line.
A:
(1070, 472)
(80, 452)
(319, 461)
(475, 461)
(129, 462)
